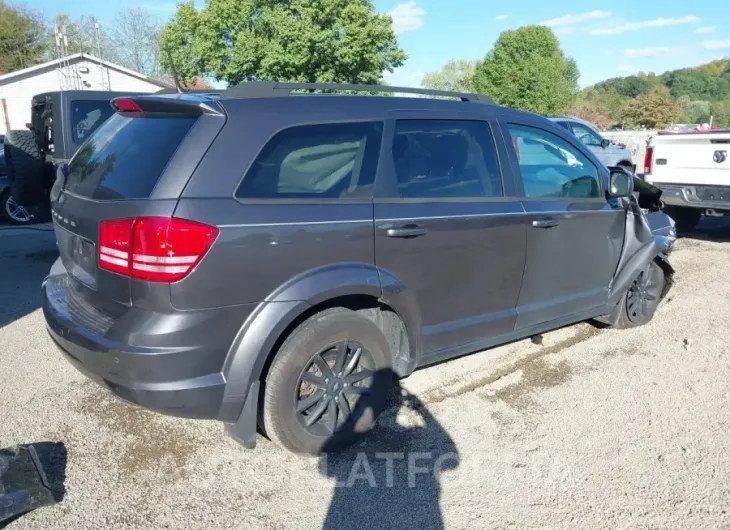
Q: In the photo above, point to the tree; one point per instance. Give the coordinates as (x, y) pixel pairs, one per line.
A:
(526, 69)
(591, 112)
(608, 100)
(297, 40)
(630, 87)
(657, 109)
(82, 37)
(135, 36)
(695, 111)
(455, 76)
(22, 38)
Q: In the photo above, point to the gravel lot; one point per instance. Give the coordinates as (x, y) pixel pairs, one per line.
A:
(593, 428)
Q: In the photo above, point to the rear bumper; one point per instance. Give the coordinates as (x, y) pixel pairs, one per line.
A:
(168, 363)
(696, 196)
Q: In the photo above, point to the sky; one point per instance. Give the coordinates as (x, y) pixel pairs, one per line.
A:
(608, 39)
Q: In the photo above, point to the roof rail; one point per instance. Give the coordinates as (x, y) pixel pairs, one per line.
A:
(264, 89)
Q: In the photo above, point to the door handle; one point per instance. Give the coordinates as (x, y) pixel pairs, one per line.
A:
(406, 231)
(545, 222)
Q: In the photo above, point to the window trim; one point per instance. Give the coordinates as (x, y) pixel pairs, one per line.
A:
(386, 170)
(573, 140)
(289, 200)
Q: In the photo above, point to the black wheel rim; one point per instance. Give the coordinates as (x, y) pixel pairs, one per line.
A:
(331, 385)
(643, 296)
(16, 212)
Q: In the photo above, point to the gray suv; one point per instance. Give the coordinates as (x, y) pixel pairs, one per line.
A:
(609, 154)
(261, 255)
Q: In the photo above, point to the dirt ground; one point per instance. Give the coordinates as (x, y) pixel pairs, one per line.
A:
(593, 428)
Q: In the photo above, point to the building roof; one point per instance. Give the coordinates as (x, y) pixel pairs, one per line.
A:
(75, 58)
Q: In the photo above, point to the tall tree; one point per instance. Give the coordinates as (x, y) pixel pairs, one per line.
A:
(22, 37)
(135, 36)
(526, 69)
(297, 40)
(82, 36)
(456, 76)
(657, 109)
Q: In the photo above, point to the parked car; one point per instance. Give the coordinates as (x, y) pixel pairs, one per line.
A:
(258, 259)
(60, 122)
(693, 171)
(609, 154)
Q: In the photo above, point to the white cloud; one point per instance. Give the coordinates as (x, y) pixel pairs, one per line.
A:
(407, 17)
(648, 52)
(570, 19)
(404, 78)
(706, 29)
(646, 24)
(716, 44)
(501, 17)
(624, 67)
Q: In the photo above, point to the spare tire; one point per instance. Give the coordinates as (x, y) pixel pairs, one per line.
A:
(24, 166)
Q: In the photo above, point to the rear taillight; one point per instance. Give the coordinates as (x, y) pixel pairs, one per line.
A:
(155, 249)
(648, 160)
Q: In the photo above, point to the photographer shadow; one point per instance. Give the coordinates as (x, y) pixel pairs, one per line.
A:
(390, 478)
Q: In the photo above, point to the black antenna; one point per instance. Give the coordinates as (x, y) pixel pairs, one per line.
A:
(174, 71)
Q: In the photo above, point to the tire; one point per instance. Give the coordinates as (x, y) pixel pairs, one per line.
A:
(12, 212)
(308, 347)
(685, 218)
(637, 309)
(25, 167)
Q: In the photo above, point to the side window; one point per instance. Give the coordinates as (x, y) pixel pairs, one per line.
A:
(564, 124)
(586, 135)
(551, 167)
(445, 159)
(324, 161)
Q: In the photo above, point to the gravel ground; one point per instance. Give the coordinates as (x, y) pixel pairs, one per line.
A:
(593, 428)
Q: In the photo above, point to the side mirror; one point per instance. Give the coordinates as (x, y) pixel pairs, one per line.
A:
(620, 183)
(605, 142)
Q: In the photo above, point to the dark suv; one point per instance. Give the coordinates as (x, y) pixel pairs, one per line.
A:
(261, 255)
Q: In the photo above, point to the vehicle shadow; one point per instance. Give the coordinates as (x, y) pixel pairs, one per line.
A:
(715, 229)
(391, 477)
(26, 256)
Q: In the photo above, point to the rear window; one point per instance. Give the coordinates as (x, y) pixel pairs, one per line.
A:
(325, 161)
(125, 157)
(87, 116)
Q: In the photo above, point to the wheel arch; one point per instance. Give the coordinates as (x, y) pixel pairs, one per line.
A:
(361, 287)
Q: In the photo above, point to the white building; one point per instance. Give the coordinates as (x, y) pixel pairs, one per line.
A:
(79, 71)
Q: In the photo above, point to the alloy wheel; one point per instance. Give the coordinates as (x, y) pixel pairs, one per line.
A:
(331, 385)
(643, 296)
(16, 212)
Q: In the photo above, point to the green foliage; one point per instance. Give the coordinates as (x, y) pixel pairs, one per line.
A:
(695, 111)
(526, 69)
(592, 112)
(657, 109)
(611, 103)
(22, 37)
(697, 84)
(297, 40)
(629, 87)
(456, 76)
(720, 111)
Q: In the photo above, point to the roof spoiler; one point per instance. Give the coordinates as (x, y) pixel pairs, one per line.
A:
(153, 105)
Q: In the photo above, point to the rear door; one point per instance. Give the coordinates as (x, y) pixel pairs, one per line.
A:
(448, 227)
(574, 235)
(116, 175)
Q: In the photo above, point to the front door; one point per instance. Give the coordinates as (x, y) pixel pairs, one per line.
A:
(574, 235)
(448, 227)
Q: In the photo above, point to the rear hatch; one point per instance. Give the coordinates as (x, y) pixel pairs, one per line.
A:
(692, 158)
(125, 177)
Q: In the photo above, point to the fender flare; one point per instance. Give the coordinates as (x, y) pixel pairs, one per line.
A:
(258, 336)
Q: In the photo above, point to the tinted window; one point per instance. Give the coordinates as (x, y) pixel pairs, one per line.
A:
(586, 135)
(326, 161)
(445, 159)
(125, 157)
(87, 116)
(551, 167)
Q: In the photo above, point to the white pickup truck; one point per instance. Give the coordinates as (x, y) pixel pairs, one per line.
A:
(693, 171)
